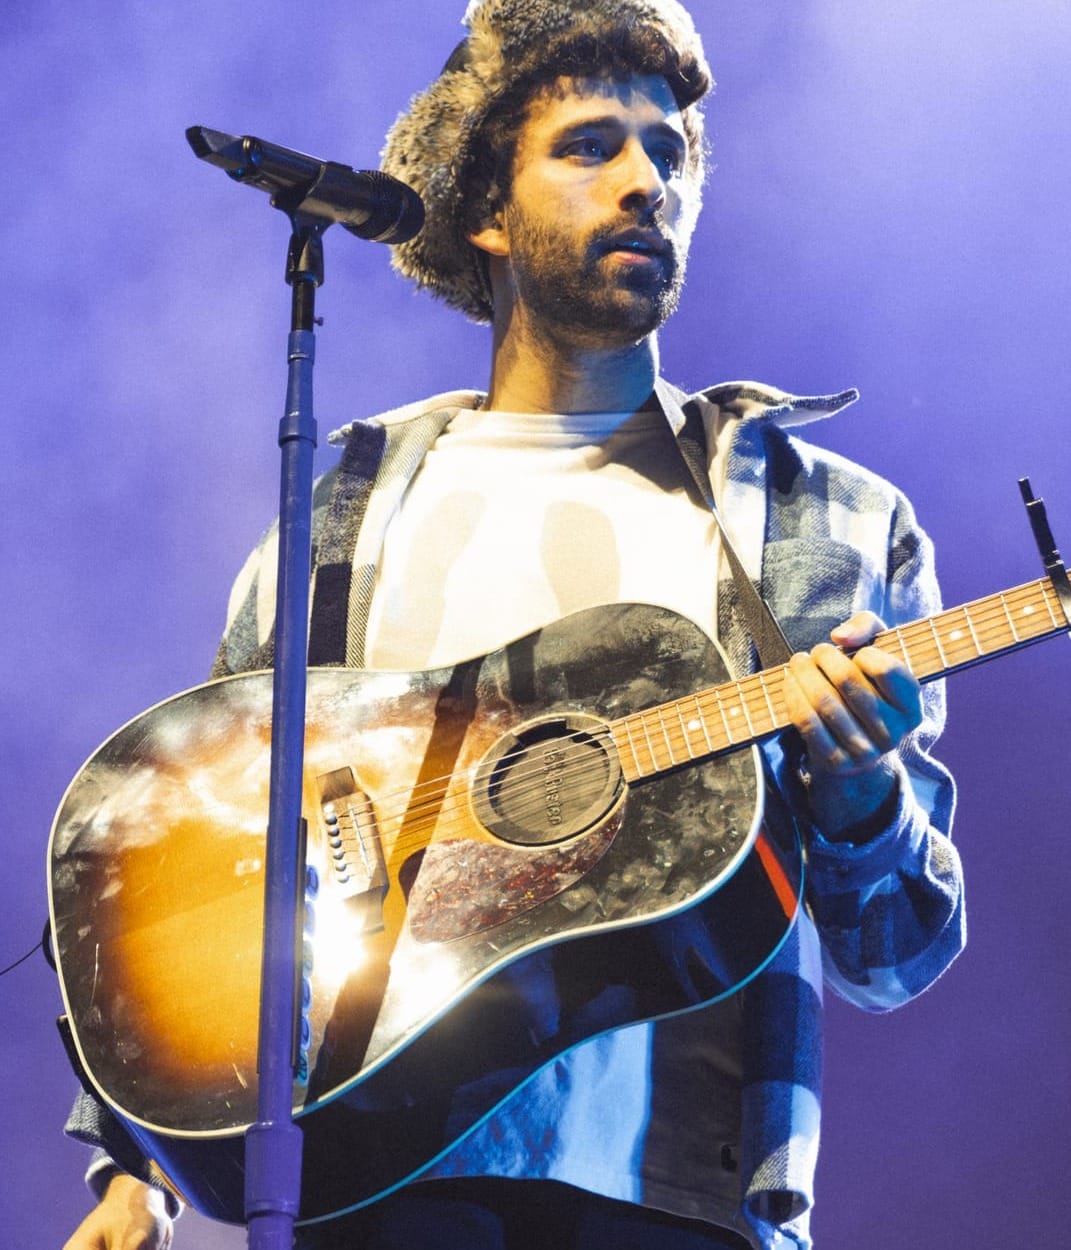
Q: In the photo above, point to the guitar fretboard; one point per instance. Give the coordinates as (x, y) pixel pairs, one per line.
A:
(743, 712)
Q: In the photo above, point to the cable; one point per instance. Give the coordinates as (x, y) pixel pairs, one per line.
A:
(44, 945)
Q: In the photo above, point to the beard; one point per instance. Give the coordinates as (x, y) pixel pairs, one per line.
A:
(575, 286)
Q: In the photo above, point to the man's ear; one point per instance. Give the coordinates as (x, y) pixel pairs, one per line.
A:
(491, 238)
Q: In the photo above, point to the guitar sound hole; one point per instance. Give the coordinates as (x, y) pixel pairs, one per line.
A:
(548, 780)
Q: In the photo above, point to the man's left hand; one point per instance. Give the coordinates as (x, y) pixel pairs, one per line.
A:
(852, 704)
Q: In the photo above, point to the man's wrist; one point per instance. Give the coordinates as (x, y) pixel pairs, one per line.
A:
(854, 807)
(116, 1185)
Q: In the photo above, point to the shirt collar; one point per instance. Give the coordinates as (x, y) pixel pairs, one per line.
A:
(742, 401)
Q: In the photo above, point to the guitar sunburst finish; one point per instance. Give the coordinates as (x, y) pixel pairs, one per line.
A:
(465, 825)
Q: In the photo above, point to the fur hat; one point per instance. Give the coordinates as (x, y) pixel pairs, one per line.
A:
(514, 46)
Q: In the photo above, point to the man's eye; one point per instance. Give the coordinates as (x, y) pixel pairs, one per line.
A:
(671, 160)
(587, 148)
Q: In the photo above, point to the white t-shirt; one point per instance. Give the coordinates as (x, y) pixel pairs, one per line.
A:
(515, 520)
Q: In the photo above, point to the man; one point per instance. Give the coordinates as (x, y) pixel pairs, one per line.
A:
(560, 157)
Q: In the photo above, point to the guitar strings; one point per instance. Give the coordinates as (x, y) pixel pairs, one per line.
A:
(431, 809)
(666, 740)
(429, 804)
(923, 631)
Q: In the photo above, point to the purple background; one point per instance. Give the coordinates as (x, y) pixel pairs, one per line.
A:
(889, 211)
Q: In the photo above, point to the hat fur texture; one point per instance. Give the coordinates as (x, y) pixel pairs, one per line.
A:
(510, 43)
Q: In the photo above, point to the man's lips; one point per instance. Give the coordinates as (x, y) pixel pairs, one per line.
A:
(637, 244)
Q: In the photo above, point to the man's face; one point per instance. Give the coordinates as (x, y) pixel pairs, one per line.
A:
(601, 212)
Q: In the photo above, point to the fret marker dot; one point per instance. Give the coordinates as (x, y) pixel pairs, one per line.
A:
(693, 725)
(955, 635)
(1028, 609)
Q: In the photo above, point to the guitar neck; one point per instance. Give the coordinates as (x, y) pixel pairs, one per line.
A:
(741, 713)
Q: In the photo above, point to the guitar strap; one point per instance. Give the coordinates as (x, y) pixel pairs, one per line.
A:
(333, 559)
(766, 633)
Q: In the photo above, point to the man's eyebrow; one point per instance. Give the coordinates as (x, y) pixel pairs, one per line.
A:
(597, 121)
(665, 131)
(609, 122)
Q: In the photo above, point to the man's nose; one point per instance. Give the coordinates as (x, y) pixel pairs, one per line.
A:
(642, 183)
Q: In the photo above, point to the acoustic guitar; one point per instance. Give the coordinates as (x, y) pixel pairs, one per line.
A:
(504, 858)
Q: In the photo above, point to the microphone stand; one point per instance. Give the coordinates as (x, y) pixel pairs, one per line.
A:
(274, 1142)
(372, 205)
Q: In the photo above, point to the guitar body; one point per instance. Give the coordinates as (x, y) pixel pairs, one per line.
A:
(491, 884)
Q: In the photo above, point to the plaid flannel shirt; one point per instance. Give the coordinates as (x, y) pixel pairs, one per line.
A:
(822, 539)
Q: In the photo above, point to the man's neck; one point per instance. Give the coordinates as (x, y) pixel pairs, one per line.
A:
(570, 377)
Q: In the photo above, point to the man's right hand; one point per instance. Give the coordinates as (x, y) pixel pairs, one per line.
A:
(130, 1216)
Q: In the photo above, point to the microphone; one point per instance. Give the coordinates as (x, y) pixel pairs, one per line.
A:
(368, 203)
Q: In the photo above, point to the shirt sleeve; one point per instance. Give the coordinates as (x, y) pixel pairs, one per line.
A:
(890, 909)
(91, 1122)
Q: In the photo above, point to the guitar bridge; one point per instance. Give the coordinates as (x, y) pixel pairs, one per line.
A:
(354, 847)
